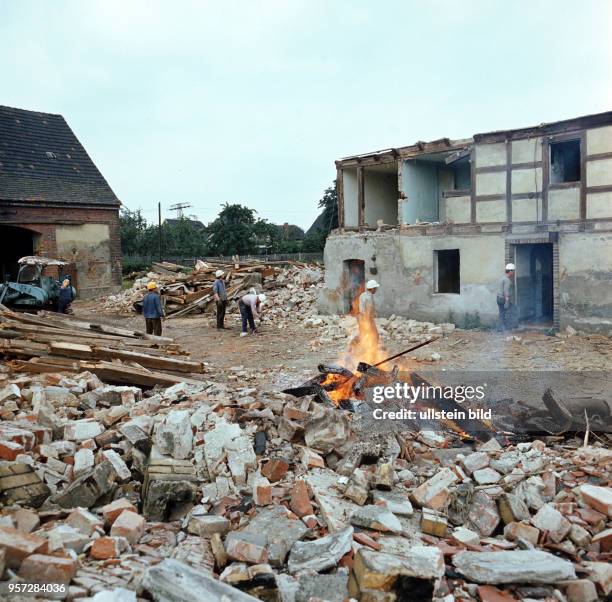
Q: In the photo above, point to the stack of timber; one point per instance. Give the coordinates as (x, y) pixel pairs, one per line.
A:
(185, 292)
(49, 342)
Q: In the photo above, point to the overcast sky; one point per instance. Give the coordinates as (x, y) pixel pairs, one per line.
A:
(251, 102)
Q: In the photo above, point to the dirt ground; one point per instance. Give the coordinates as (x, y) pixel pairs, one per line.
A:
(295, 349)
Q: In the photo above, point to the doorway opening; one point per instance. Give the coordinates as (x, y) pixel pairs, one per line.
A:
(535, 283)
(354, 279)
(16, 243)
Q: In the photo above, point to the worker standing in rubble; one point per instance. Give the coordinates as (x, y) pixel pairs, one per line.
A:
(505, 299)
(250, 306)
(152, 310)
(220, 297)
(65, 297)
(367, 313)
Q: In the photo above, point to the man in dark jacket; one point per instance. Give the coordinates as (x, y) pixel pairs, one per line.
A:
(152, 310)
(65, 297)
(220, 297)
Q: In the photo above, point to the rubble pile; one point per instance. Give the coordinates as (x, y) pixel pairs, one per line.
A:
(185, 291)
(232, 491)
(395, 328)
(50, 342)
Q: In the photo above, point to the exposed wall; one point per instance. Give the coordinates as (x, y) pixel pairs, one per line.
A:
(420, 184)
(405, 270)
(88, 246)
(351, 207)
(381, 193)
(457, 209)
(585, 281)
(94, 233)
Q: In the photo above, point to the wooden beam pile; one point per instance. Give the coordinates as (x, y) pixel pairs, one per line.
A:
(187, 293)
(50, 342)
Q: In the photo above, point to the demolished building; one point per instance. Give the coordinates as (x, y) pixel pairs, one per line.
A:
(55, 202)
(435, 223)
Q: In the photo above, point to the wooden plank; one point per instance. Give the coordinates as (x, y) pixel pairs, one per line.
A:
(116, 373)
(148, 361)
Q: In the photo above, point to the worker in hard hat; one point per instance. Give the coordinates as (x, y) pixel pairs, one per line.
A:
(366, 318)
(152, 310)
(250, 307)
(505, 299)
(65, 297)
(220, 295)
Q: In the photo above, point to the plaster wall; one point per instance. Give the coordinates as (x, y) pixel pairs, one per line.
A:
(489, 155)
(526, 210)
(420, 184)
(491, 211)
(526, 180)
(491, 183)
(585, 281)
(527, 150)
(405, 271)
(380, 190)
(598, 205)
(458, 209)
(599, 140)
(351, 207)
(87, 245)
(564, 204)
(599, 173)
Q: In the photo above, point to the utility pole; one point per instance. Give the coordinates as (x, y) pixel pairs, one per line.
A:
(159, 229)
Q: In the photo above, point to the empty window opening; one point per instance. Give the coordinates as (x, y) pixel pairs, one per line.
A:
(446, 267)
(565, 161)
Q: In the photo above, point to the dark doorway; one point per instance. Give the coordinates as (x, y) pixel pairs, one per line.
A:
(16, 243)
(534, 283)
(354, 278)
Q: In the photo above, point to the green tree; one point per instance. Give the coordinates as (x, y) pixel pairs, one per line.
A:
(232, 232)
(314, 241)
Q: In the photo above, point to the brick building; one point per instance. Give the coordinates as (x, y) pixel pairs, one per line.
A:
(435, 223)
(55, 202)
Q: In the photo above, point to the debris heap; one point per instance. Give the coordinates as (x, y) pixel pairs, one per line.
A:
(209, 491)
(187, 291)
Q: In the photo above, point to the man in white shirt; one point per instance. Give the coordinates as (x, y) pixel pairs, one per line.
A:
(367, 312)
(250, 306)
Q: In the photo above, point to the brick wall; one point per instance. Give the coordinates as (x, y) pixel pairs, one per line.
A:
(43, 221)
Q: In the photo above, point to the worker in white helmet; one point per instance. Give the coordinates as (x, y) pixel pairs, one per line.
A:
(220, 297)
(367, 312)
(250, 307)
(505, 298)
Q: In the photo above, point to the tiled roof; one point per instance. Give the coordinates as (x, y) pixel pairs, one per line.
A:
(41, 160)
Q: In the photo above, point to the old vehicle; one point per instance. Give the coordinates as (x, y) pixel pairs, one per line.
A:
(37, 285)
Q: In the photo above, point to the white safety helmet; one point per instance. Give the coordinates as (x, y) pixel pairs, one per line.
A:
(510, 267)
(219, 273)
(372, 284)
(262, 298)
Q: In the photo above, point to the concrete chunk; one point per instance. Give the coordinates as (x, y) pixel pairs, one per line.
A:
(171, 580)
(517, 566)
(320, 554)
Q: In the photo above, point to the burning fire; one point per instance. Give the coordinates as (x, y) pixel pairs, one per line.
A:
(365, 346)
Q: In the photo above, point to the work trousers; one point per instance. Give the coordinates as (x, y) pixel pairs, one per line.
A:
(506, 319)
(154, 326)
(221, 307)
(246, 313)
(63, 306)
